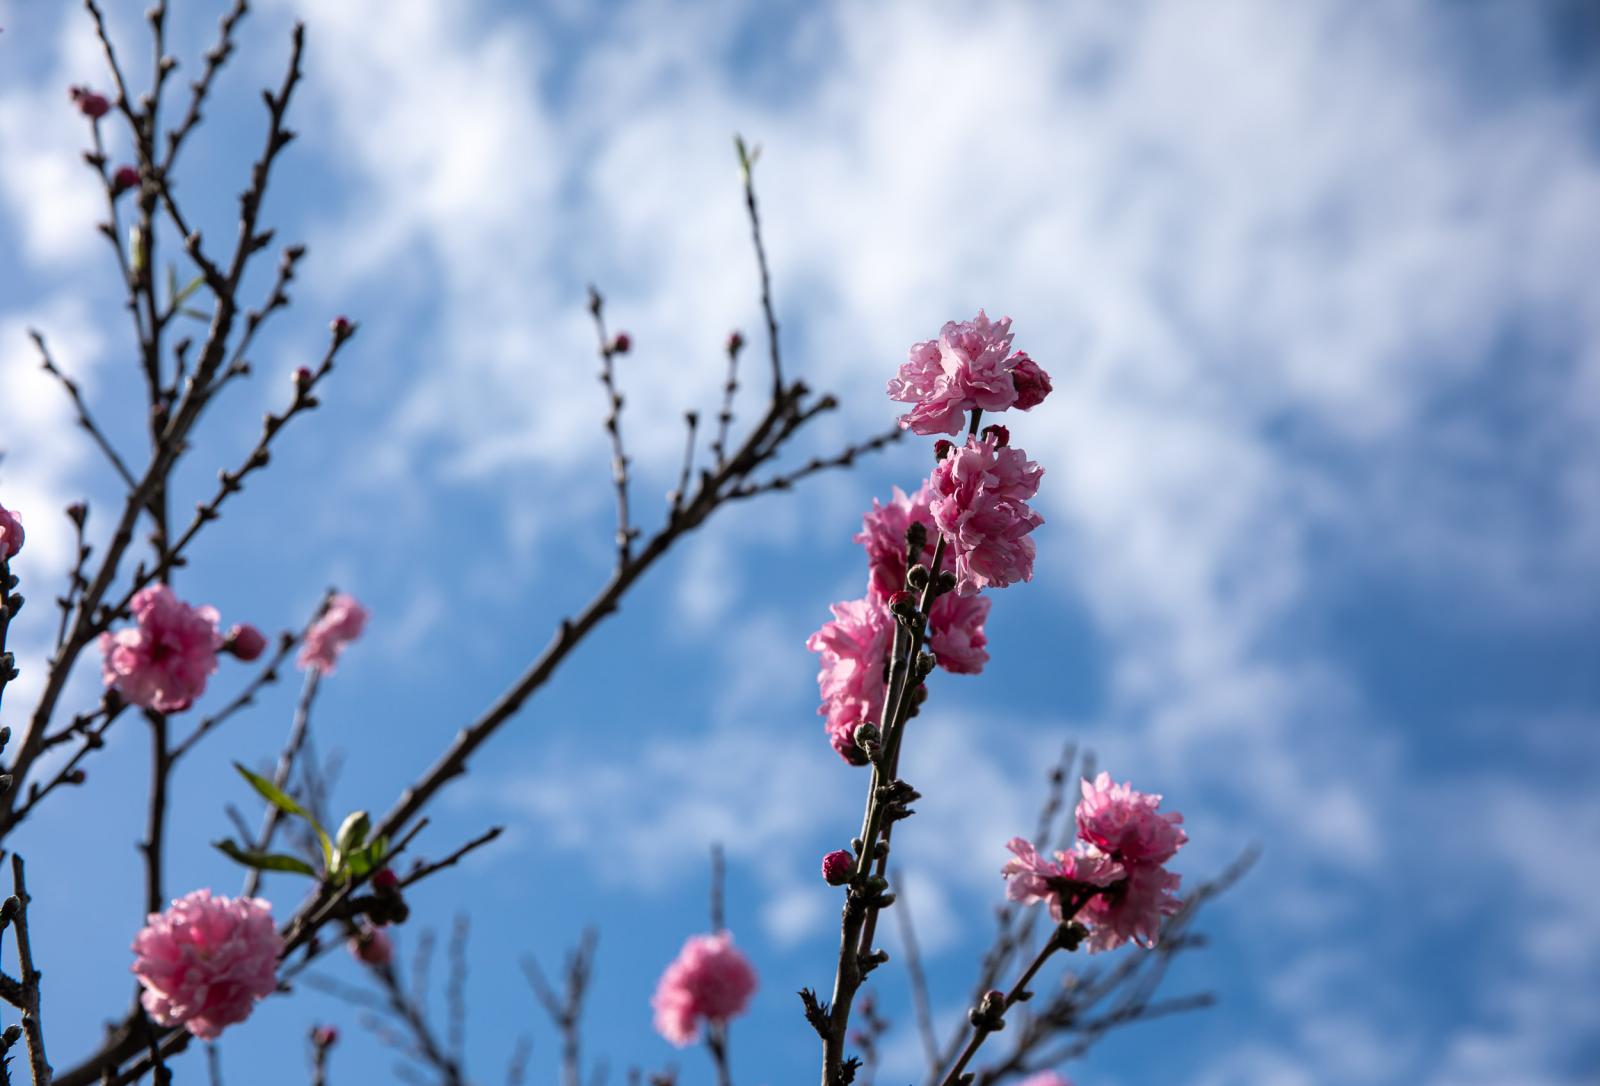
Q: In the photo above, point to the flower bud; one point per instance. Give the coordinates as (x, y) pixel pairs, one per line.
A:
(126, 177)
(372, 946)
(942, 448)
(1032, 383)
(244, 641)
(91, 105)
(341, 327)
(621, 343)
(999, 434)
(385, 881)
(324, 1036)
(866, 734)
(302, 377)
(735, 341)
(77, 776)
(836, 867)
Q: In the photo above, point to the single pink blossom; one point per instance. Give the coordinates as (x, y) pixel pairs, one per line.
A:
(969, 366)
(11, 533)
(339, 625)
(1030, 878)
(1046, 1078)
(164, 660)
(1126, 824)
(245, 642)
(372, 946)
(206, 961)
(980, 502)
(854, 648)
(837, 867)
(710, 981)
(1033, 383)
(1132, 910)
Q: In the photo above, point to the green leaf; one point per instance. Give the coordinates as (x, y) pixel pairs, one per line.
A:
(274, 795)
(265, 861)
(195, 314)
(353, 831)
(183, 295)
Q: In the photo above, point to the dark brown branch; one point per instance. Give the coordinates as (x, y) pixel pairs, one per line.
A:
(280, 776)
(609, 349)
(423, 870)
(32, 1027)
(919, 980)
(729, 387)
(566, 1009)
(267, 676)
(85, 419)
(215, 58)
(747, 161)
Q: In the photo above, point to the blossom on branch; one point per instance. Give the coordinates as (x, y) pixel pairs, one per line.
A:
(1031, 878)
(1126, 823)
(709, 981)
(970, 366)
(854, 649)
(11, 534)
(1046, 1078)
(206, 961)
(339, 625)
(164, 660)
(979, 502)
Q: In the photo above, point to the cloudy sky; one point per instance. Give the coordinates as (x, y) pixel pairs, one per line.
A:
(1322, 556)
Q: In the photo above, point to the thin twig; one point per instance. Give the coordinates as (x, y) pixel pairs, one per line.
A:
(919, 980)
(32, 1027)
(613, 424)
(85, 419)
(267, 676)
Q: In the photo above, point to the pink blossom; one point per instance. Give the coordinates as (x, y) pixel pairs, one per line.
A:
(710, 980)
(11, 534)
(955, 632)
(1046, 1078)
(206, 960)
(1033, 384)
(969, 366)
(339, 625)
(164, 660)
(1132, 910)
(372, 946)
(1126, 824)
(979, 501)
(854, 648)
(1030, 878)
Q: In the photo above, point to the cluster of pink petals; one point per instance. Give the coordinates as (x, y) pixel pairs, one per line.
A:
(1127, 824)
(854, 648)
(955, 625)
(1046, 1078)
(1124, 839)
(979, 501)
(11, 534)
(162, 662)
(971, 365)
(206, 960)
(372, 946)
(1031, 878)
(709, 981)
(339, 625)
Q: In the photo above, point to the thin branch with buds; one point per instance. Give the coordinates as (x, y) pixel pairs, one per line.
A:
(565, 1009)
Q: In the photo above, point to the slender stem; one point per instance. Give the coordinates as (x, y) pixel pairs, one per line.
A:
(32, 1027)
(155, 827)
(717, 1045)
(280, 777)
(919, 980)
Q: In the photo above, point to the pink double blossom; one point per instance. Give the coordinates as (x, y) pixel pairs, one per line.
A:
(163, 661)
(1046, 1078)
(709, 981)
(339, 625)
(854, 648)
(955, 625)
(11, 534)
(206, 961)
(979, 500)
(971, 365)
(1132, 910)
(1127, 824)
(1030, 878)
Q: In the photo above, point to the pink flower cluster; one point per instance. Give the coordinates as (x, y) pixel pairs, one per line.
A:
(970, 366)
(1124, 843)
(855, 649)
(979, 502)
(11, 534)
(1047, 1078)
(709, 981)
(163, 661)
(339, 625)
(206, 960)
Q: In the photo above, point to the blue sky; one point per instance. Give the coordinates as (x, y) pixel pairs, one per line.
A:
(1316, 286)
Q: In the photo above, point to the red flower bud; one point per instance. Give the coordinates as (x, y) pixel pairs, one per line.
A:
(621, 343)
(91, 105)
(385, 881)
(735, 341)
(1001, 436)
(836, 867)
(126, 177)
(324, 1036)
(245, 642)
(941, 448)
(340, 326)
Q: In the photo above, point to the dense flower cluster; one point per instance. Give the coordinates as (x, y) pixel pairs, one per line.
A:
(206, 960)
(854, 648)
(1124, 841)
(163, 661)
(979, 502)
(1047, 1078)
(970, 366)
(709, 981)
(339, 625)
(11, 534)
